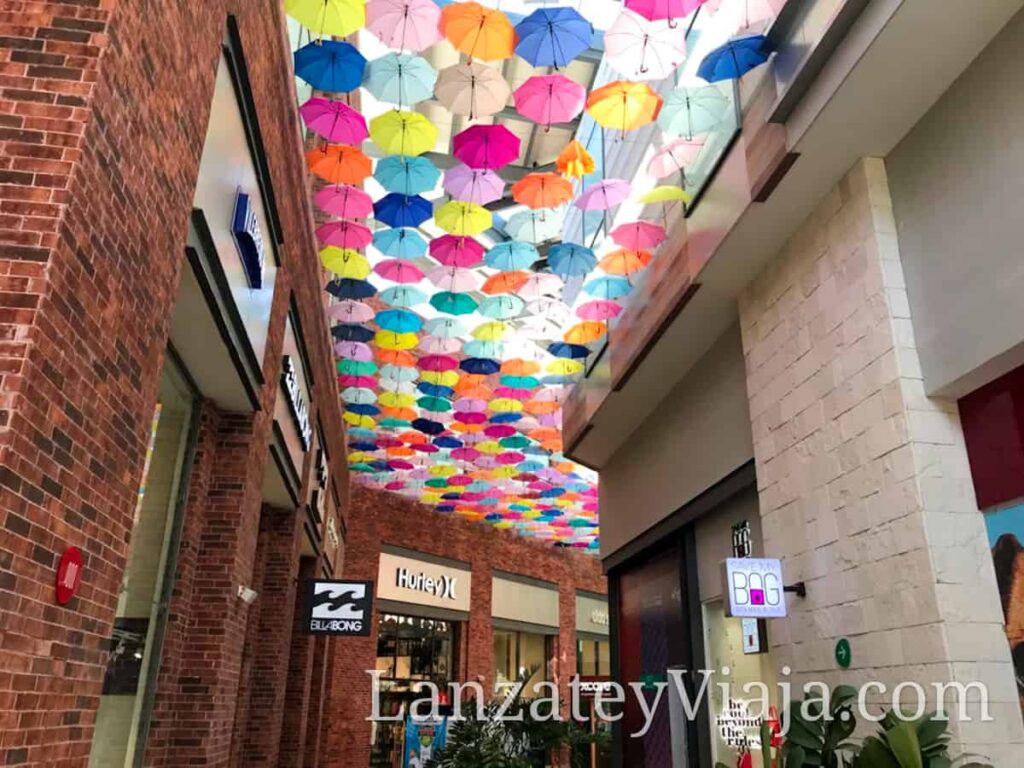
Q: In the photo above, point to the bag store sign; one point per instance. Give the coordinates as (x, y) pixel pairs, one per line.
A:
(338, 608)
(755, 588)
(245, 229)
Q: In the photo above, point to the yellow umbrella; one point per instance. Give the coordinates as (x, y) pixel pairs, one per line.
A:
(505, 405)
(585, 332)
(623, 105)
(495, 330)
(506, 472)
(503, 524)
(574, 161)
(564, 367)
(344, 262)
(403, 133)
(443, 470)
(326, 18)
(459, 218)
(358, 456)
(665, 194)
(489, 446)
(392, 340)
(431, 497)
(396, 400)
(440, 378)
(355, 420)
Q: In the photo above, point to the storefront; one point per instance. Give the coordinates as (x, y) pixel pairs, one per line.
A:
(526, 627)
(593, 664)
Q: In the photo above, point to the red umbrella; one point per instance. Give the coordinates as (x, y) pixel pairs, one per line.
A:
(456, 251)
(486, 146)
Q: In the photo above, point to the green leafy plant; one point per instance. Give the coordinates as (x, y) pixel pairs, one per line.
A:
(912, 743)
(816, 740)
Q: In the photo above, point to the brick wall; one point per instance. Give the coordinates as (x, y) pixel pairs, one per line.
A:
(103, 112)
(864, 485)
(382, 518)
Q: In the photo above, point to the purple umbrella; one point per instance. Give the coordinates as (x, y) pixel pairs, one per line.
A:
(473, 185)
(604, 195)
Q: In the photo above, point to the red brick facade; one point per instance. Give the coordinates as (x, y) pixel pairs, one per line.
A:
(103, 113)
(379, 518)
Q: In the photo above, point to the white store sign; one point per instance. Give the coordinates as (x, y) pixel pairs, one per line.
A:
(755, 588)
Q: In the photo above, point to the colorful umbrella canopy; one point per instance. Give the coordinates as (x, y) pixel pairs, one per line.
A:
(397, 210)
(504, 282)
(674, 157)
(345, 201)
(339, 164)
(472, 89)
(349, 311)
(664, 9)
(399, 243)
(542, 190)
(623, 105)
(336, 121)
(399, 320)
(460, 218)
(549, 99)
(330, 65)
(403, 133)
(599, 310)
(344, 234)
(638, 235)
(552, 37)
(735, 58)
(642, 49)
(478, 32)
(574, 161)
(407, 175)
(511, 255)
(400, 78)
(350, 289)
(604, 195)
(409, 25)
(326, 18)
(456, 251)
(693, 112)
(473, 185)
(485, 146)
(586, 332)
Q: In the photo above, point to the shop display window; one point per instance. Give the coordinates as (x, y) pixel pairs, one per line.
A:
(520, 653)
(593, 658)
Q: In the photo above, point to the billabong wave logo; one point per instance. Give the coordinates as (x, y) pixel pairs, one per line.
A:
(338, 601)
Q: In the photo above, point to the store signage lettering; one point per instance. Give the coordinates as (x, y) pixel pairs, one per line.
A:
(755, 587)
(245, 228)
(332, 532)
(737, 727)
(338, 607)
(597, 616)
(442, 587)
(296, 402)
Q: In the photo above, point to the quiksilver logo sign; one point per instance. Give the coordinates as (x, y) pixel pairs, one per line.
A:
(338, 607)
(442, 586)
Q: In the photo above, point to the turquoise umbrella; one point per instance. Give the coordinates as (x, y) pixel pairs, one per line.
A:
(693, 112)
(404, 296)
(398, 373)
(504, 306)
(513, 442)
(399, 321)
(435, 404)
(453, 303)
(534, 226)
(511, 255)
(357, 367)
(519, 382)
(444, 327)
(400, 78)
(480, 348)
(391, 422)
(400, 243)
(608, 287)
(407, 175)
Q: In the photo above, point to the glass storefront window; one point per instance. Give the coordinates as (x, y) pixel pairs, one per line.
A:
(593, 658)
(519, 653)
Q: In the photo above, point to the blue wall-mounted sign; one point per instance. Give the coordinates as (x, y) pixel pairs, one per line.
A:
(245, 228)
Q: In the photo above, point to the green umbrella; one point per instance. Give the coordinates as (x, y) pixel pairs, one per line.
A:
(390, 422)
(514, 442)
(435, 404)
(437, 482)
(504, 306)
(453, 303)
(357, 367)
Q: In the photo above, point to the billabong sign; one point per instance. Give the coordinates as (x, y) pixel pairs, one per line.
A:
(443, 586)
(245, 229)
(755, 588)
(338, 607)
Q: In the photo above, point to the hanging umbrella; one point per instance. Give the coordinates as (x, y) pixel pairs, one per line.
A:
(346, 332)
(754, 11)
(438, 363)
(552, 309)
(396, 357)
(477, 31)
(480, 365)
(344, 262)
(444, 327)
(456, 279)
(456, 251)
(398, 271)
(624, 262)
(574, 161)
(623, 105)
(353, 350)
(397, 210)
(344, 201)
(327, 18)
(359, 395)
(504, 282)
(350, 289)
(569, 351)
(438, 346)
(692, 112)
(330, 65)
(571, 260)
(485, 146)
(511, 255)
(638, 235)
(397, 373)
(404, 296)
(585, 332)
(410, 25)
(472, 89)
(334, 120)
(664, 9)
(400, 78)
(399, 243)
(451, 303)
(435, 404)
(552, 37)
(339, 164)
(391, 340)
(603, 195)
(344, 234)
(407, 175)
(403, 133)
(484, 348)
(459, 218)
(504, 306)
(549, 99)
(538, 285)
(665, 194)
(674, 157)
(533, 227)
(494, 331)
(473, 185)
(542, 190)
(642, 49)
(398, 320)
(349, 311)
(735, 58)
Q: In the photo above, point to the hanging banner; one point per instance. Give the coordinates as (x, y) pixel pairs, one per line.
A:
(424, 737)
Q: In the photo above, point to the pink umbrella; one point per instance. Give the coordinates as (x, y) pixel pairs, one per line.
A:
(460, 480)
(455, 279)
(456, 251)
(486, 146)
(498, 431)
(471, 417)
(599, 310)
(409, 25)
(513, 393)
(674, 157)
(539, 285)
(345, 201)
(357, 381)
(604, 195)
(353, 350)
(473, 185)
(336, 121)
(398, 271)
(753, 10)
(638, 235)
(351, 311)
(344, 234)
(664, 9)
(510, 457)
(438, 363)
(470, 405)
(437, 346)
(465, 454)
(550, 419)
(425, 448)
(548, 99)
(395, 485)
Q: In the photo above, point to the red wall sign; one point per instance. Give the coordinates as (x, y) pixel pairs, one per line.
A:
(69, 574)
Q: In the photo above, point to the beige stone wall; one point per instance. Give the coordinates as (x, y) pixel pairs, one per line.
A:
(864, 483)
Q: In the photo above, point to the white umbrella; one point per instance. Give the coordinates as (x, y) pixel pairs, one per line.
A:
(456, 279)
(641, 49)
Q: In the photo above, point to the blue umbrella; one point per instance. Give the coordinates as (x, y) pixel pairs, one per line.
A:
(399, 243)
(347, 288)
(446, 442)
(428, 427)
(399, 321)
(404, 296)
(505, 418)
(435, 390)
(362, 445)
(552, 37)
(608, 287)
(735, 58)
(480, 365)
(571, 260)
(397, 210)
(400, 78)
(511, 255)
(571, 351)
(363, 409)
(347, 332)
(330, 65)
(362, 433)
(408, 175)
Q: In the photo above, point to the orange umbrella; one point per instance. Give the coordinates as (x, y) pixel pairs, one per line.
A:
(405, 414)
(478, 391)
(412, 437)
(574, 161)
(585, 332)
(517, 366)
(400, 450)
(542, 190)
(624, 261)
(543, 433)
(478, 32)
(554, 444)
(624, 105)
(400, 357)
(504, 282)
(538, 407)
(339, 164)
(458, 426)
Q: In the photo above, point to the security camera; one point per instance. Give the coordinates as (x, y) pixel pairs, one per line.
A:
(247, 595)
